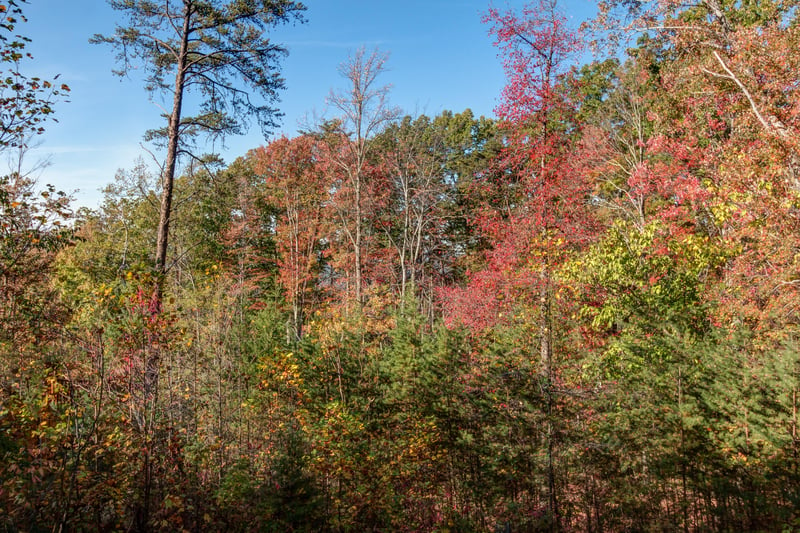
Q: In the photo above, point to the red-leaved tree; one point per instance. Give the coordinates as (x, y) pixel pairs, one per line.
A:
(534, 214)
(295, 184)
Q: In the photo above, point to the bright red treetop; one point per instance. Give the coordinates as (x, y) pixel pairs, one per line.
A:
(535, 213)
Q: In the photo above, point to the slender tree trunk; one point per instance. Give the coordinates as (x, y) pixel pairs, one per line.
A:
(794, 431)
(545, 335)
(405, 262)
(684, 488)
(357, 259)
(152, 351)
(546, 370)
(168, 178)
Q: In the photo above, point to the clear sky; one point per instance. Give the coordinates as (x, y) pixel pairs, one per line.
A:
(441, 58)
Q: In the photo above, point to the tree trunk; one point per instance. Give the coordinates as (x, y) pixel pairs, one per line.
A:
(357, 259)
(168, 178)
(546, 370)
(152, 351)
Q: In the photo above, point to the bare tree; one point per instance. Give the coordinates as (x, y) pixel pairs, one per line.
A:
(363, 111)
(415, 155)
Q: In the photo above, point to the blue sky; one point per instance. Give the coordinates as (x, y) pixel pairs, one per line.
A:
(441, 57)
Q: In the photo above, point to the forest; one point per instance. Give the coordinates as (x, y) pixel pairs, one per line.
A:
(580, 314)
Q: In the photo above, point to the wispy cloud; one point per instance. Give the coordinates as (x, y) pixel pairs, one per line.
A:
(67, 149)
(81, 149)
(333, 44)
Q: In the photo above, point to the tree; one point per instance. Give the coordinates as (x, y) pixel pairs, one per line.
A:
(415, 222)
(535, 210)
(540, 217)
(25, 102)
(364, 111)
(295, 185)
(35, 418)
(208, 46)
(219, 50)
(34, 225)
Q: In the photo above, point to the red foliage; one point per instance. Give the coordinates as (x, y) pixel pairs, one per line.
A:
(537, 213)
(295, 184)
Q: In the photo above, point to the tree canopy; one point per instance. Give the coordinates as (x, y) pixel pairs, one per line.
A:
(578, 315)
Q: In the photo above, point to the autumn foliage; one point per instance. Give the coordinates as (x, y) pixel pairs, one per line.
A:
(580, 315)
